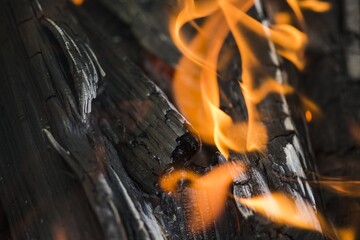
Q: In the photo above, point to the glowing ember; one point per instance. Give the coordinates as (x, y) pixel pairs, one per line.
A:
(308, 116)
(346, 234)
(77, 2)
(312, 110)
(59, 233)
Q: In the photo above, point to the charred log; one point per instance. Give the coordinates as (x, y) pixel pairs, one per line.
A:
(67, 179)
(85, 135)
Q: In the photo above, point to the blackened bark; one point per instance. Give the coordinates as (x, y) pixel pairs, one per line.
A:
(60, 172)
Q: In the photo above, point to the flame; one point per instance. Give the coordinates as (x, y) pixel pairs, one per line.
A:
(196, 93)
(77, 2)
(196, 90)
(283, 209)
(312, 109)
(208, 193)
(315, 5)
(344, 187)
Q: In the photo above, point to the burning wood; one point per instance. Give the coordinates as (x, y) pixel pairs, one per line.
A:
(91, 148)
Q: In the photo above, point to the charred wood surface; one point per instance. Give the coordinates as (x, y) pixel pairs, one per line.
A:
(85, 135)
(60, 172)
(148, 21)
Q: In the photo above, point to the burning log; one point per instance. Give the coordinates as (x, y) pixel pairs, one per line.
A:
(284, 165)
(99, 139)
(286, 136)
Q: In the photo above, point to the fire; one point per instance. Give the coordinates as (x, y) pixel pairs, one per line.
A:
(315, 6)
(196, 93)
(208, 193)
(196, 88)
(344, 187)
(283, 209)
(308, 116)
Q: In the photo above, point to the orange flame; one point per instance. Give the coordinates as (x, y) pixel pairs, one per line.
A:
(344, 187)
(283, 209)
(195, 81)
(196, 93)
(315, 5)
(310, 106)
(209, 192)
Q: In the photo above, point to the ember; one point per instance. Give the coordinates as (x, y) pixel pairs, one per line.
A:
(77, 2)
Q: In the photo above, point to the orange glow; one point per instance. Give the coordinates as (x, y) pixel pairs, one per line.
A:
(77, 2)
(208, 193)
(346, 234)
(282, 18)
(283, 209)
(196, 90)
(310, 107)
(308, 116)
(354, 128)
(59, 233)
